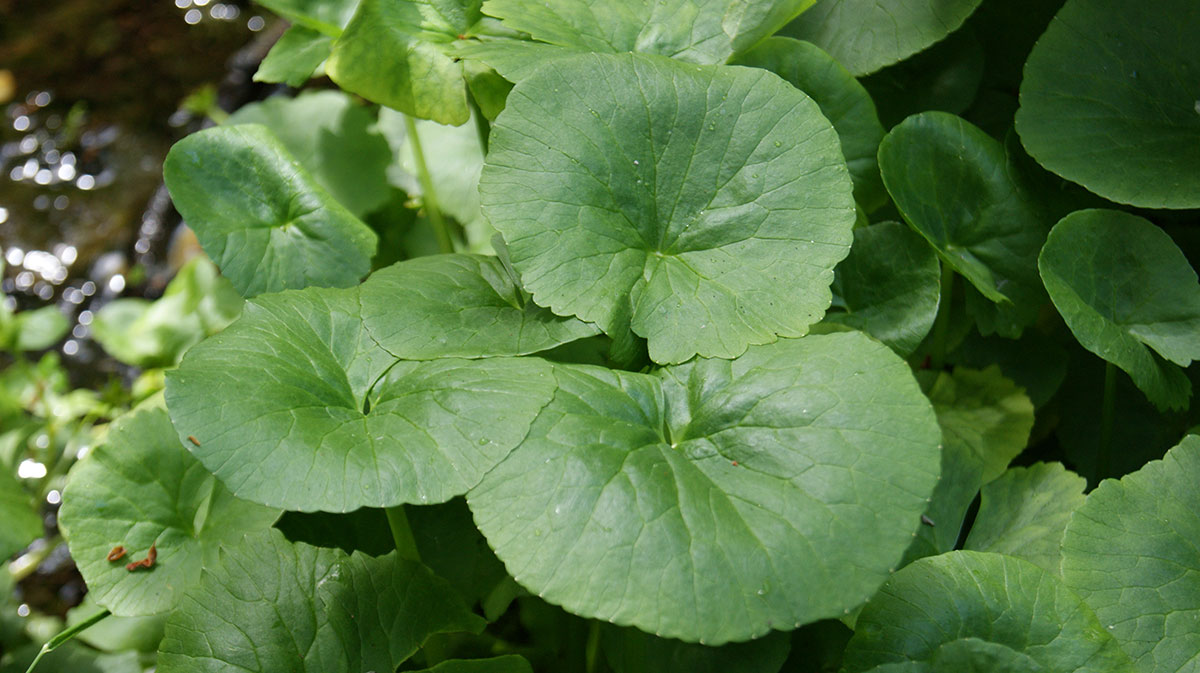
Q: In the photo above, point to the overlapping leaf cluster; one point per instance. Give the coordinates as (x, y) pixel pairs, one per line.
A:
(771, 295)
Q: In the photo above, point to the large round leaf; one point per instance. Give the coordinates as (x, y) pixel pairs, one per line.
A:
(699, 31)
(865, 35)
(718, 499)
(954, 185)
(312, 414)
(260, 216)
(841, 98)
(974, 608)
(708, 204)
(142, 488)
(1109, 100)
(271, 605)
(888, 286)
(1129, 295)
(458, 306)
(1130, 551)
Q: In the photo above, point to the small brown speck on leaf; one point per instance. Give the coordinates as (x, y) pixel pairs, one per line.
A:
(193, 440)
(116, 554)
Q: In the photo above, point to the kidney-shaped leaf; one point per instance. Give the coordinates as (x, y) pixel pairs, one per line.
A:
(1109, 100)
(953, 184)
(718, 499)
(260, 216)
(313, 415)
(1129, 295)
(141, 487)
(271, 605)
(698, 31)
(1130, 551)
(458, 306)
(973, 608)
(710, 203)
(865, 35)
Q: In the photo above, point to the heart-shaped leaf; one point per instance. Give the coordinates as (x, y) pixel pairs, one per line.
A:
(1109, 100)
(718, 499)
(842, 100)
(954, 185)
(865, 35)
(315, 415)
(271, 605)
(458, 306)
(975, 611)
(260, 216)
(1129, 295)
(888, 286)
(705, 206)
(142, 488)
(1130, 551)
(713, 31)
(1025, 511)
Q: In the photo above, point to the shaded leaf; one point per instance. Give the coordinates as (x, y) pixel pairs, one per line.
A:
(984, 413)
(510, 663)
(22, 523)
(944, 77)
(294, 57)
(631, 651)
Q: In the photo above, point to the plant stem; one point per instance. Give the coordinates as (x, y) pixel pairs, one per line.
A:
(428, 195)
(64, 636)
(941, 325)
(406, 544)
(592, 649)
(481, 123)
(1107, 408)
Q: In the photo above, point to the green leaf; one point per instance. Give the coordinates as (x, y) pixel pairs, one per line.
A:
(1024, 512)
(842, 100)
(1129, 295)
(197, 303)
(704, 206)
(113, 633)
(451, 545)
(334, 139)
(314, 415)
(22, 523)
(889, 286)
(632, 651)
(394, 52)
(141, 488)
(969, 611)
(509, 663)
(696, 31)
(364, 530)
(270, 605)
(458, 306)
(944, 77)
(955, 186)
(1130, 552)
(324, 16)
(983, 413)
(1109, 100)
(260, 216)
(718, 499)
(40, 328)
(1036, 362)
(73, 658)
(294, 57)
(866, 35)
(957, 486)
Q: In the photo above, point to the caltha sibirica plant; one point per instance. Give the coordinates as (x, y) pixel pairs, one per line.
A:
(686, 335)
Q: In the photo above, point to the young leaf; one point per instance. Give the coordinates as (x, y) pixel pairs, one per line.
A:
(315, 415)
(842, 100)
(713, 31)
(888, 286)
(866, 35)
(294, 57)
(334, 139)
(975, 611)
(1130, 552)
(458, 306)
(142, 488)
(1024, 512)
(1109, 101)
(271, 605)
(394, 52)
(324, 16)
(953, 184)
(708, 203)
(718, 499)
(983, 413)
(260, 216)
(1129, 295)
